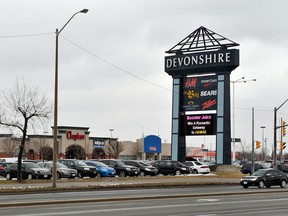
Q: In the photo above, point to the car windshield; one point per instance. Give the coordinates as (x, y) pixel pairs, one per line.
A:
(99, 164)
(121, 163)
(80, 163)
(259, 172)
(143, 163)
(31, 165)
(179, 164)
(60, 165)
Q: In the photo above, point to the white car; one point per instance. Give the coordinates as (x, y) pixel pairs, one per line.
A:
(197, 167)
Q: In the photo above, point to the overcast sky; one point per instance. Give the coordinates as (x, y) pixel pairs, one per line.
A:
(111, 60)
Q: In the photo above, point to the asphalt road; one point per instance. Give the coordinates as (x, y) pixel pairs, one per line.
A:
(212, 200)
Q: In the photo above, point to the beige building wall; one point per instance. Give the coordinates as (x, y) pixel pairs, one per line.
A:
(135, 150)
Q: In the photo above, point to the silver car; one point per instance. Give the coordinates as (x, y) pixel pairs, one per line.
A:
(62, 170)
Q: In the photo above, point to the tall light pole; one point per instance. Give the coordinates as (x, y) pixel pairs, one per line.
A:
(55, 130)
(263, 144)
(111, 131)
(242, 79)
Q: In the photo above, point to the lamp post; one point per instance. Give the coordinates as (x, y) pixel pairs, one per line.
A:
(111, 131)
(263, 144)
(242, 79)
(55, 131)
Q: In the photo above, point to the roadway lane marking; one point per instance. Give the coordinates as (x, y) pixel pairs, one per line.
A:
(208, 200)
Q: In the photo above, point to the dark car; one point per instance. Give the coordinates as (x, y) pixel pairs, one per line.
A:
(145, 169)
(2, 167)
(283, 167)
(265, 177)
(246, 169)
(83, 170)
(167, 167)
(29, 171)
(121, 168)
(103, 169)
(62, 170)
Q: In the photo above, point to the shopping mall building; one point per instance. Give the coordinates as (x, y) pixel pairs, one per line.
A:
(146, 148)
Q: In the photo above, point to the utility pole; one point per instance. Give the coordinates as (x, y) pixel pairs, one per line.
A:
(275, 134)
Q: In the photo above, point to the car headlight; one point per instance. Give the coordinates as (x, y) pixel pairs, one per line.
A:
(128, 169)
(65, 171)
(147, 169)
(250, 179)
(183, 168)
(86, 168)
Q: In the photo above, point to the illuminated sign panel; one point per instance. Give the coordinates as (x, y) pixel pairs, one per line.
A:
(199, 93)
(98, 143)
(152, 144)
(204, 124)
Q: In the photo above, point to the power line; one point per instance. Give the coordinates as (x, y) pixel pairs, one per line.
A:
(26, 35)
(115, 66)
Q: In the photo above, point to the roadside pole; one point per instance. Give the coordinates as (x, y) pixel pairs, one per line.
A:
(252, 165)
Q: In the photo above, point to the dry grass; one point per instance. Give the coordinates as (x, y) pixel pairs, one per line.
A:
(232, 175)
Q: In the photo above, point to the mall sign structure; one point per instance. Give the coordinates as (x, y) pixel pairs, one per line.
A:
(200, 66)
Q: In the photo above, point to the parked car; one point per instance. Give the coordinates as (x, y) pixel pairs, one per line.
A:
(11, 160)
(145, 169)
(83, 170)
(167, 167)
(62, 170)
(2, 167)
(103, 169)
(29, 171)
(265, 177)
(246, 169)
(121, 168)
(197, 167)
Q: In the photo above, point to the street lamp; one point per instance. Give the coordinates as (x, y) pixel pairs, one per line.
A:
(54, 172)
(111, 131)
(242, 79)
(263, 144)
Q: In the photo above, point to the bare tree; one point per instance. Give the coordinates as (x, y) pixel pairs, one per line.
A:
(245, 150)
(46, 153)
(22, 108)
(10, 145)
(114, 148)
(38, 143)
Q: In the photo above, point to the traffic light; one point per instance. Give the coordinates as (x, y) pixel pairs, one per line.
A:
(283, 128)
(258, 144)
(282, 145)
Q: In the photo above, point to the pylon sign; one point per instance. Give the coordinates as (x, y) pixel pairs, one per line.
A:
(201, 124)
(199, 93)
(200, 66)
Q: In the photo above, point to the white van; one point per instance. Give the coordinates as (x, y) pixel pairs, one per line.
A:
(12, 160)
